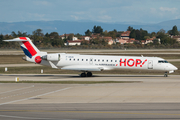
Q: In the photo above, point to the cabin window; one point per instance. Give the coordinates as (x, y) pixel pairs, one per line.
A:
(86, 59)
(162, 61)
(77, 59)
(111, 60)
(122, 61)
(94, 59)
(106, 60)
(115, 60)
(70, 59)
(98, 60)
(82, 59)
(102, 60)
(74, 59)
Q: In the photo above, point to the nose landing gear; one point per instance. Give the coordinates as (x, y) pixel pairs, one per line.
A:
(165, 74)
(89, 74)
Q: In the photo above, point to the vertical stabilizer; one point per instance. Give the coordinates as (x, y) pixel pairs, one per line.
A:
(27, 46)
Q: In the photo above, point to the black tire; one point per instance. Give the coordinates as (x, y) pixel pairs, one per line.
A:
(83, 74)
(89, 74)
(165, 75)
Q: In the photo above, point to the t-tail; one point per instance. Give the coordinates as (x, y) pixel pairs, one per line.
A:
(30, 50)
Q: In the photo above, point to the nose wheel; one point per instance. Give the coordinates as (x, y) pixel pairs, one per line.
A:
(89, 74)
(165, 74)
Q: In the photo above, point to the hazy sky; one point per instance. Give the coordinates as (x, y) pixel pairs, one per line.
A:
(143, 11)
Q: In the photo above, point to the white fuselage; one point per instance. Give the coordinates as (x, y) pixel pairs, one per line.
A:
(101, 62)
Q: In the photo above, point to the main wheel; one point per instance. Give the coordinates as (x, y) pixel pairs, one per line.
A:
(89, 74)
(83, 74)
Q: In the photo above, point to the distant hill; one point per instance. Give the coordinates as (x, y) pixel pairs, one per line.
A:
(80, 27)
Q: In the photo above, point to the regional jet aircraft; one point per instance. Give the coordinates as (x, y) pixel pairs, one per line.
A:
(89, 63)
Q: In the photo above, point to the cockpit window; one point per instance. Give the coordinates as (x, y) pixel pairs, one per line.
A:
(162, 61)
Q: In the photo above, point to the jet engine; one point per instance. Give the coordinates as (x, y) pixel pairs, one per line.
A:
(51, 57)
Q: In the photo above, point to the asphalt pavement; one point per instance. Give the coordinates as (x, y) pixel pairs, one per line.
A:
(154, 97)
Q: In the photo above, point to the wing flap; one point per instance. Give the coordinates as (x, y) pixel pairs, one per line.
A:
(52, 65)
(83, 68)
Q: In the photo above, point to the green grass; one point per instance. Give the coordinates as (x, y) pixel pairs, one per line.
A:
(35, 70)
(164, 56)
(12, 59)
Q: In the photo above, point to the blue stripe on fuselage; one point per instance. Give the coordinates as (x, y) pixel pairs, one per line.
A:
(26, 52)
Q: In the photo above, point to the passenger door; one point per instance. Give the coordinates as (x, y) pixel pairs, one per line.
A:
(150, 64)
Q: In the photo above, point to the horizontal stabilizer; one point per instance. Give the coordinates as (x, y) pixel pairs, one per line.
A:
(18, 39)
(13, 40)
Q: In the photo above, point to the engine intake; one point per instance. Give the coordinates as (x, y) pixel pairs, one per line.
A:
(51, 57)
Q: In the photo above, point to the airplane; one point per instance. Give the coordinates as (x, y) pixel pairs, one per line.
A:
(89, 63)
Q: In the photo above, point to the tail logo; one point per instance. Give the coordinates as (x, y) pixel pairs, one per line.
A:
(27, 47)
(26, 52)
(30, 48)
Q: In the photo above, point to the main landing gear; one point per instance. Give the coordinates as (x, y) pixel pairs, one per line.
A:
(165, 74)
(89, 74)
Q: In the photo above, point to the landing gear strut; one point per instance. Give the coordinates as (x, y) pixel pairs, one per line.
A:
(89, 74)
(165, 74)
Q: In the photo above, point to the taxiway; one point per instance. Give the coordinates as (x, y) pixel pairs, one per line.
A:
(155, 97)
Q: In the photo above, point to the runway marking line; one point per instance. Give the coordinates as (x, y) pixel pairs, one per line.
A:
(103, 112)
(35, 96)
(19, 117)
(17, 89)
(21, 93)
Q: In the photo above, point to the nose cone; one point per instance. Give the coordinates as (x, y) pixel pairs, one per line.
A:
(171, 67)
(175, 68)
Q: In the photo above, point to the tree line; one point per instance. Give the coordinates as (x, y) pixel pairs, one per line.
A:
(52, 40)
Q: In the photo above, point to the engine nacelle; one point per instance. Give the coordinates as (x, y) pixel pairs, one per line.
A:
(51, 57)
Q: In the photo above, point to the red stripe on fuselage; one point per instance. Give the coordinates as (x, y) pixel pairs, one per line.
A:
(30, 48)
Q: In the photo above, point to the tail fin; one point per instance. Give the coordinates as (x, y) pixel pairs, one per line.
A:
(27, 46)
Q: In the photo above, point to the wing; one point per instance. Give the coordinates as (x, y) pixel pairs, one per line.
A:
(83, 68)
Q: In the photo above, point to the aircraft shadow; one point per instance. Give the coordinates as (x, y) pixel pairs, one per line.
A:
(78, 76)
(117, 76)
